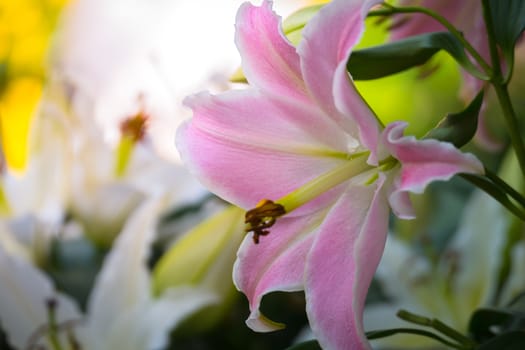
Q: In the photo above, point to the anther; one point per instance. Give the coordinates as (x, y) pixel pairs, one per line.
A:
(135, 127)
(262, 217)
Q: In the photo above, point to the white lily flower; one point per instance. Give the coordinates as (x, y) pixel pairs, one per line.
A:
(101, 200)
(111, 52)
(121, 313)
(50, 153)
(142, 49)
(34, 201)
(464, 279)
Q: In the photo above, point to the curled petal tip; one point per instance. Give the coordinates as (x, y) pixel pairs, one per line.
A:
(260, 323)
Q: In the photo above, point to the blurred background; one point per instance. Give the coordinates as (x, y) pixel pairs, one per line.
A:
(91, 96)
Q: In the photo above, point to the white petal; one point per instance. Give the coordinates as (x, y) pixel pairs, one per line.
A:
(24, 291)
(516, 282)
(477, 247)
(124, 281)
(147, 326)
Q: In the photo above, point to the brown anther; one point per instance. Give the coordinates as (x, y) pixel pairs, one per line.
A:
(135, 127)
(262, 217)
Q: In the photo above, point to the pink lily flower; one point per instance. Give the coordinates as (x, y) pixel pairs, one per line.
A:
(302, 136)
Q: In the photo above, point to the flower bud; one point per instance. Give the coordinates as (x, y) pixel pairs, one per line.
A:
(204, 257)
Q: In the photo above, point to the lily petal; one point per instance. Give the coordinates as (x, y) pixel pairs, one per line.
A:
(342, 263)
(147, 326)
(269, 60)
(424, 161)
(124, 282)
(275, 264)
(477, 249)
(122, 312)
(326, 46)
(24, 293)
(267, 141)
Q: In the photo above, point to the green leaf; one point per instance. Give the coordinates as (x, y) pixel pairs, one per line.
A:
(383, 60)
(459, 128)
(308, 345)
(507, 341)
(494, 327)
(483, 320)
(508, 18)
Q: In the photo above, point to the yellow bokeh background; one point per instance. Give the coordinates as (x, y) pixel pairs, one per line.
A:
(26, 27)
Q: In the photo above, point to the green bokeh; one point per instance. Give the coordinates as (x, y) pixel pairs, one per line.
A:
(421, 96)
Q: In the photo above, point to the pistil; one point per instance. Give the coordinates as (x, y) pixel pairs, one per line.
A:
(355, 165)
(265, 214)
(132, 131)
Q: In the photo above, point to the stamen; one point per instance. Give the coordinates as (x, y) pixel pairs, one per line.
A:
(133, 130)
(52, 331)
(262, 217)
(135, 126)
(352, 167)
(266, 212)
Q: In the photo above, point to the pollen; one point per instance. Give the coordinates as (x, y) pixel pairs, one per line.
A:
(262, 217)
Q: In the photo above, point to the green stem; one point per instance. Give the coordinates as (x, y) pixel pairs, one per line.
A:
(389, 332)
(493, 47)
(52, 331)
(511, 121)
(495, 192)
(466, 343)
(511, 191)
(390, 10)
(500, 86)
(494, 55)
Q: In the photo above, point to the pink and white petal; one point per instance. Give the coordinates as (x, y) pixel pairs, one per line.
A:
(269, 61)
(240, 144)
(277, 263)
(350, 103)
(424, 161)
(342, 263)
(400, 203)
(327, 42)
